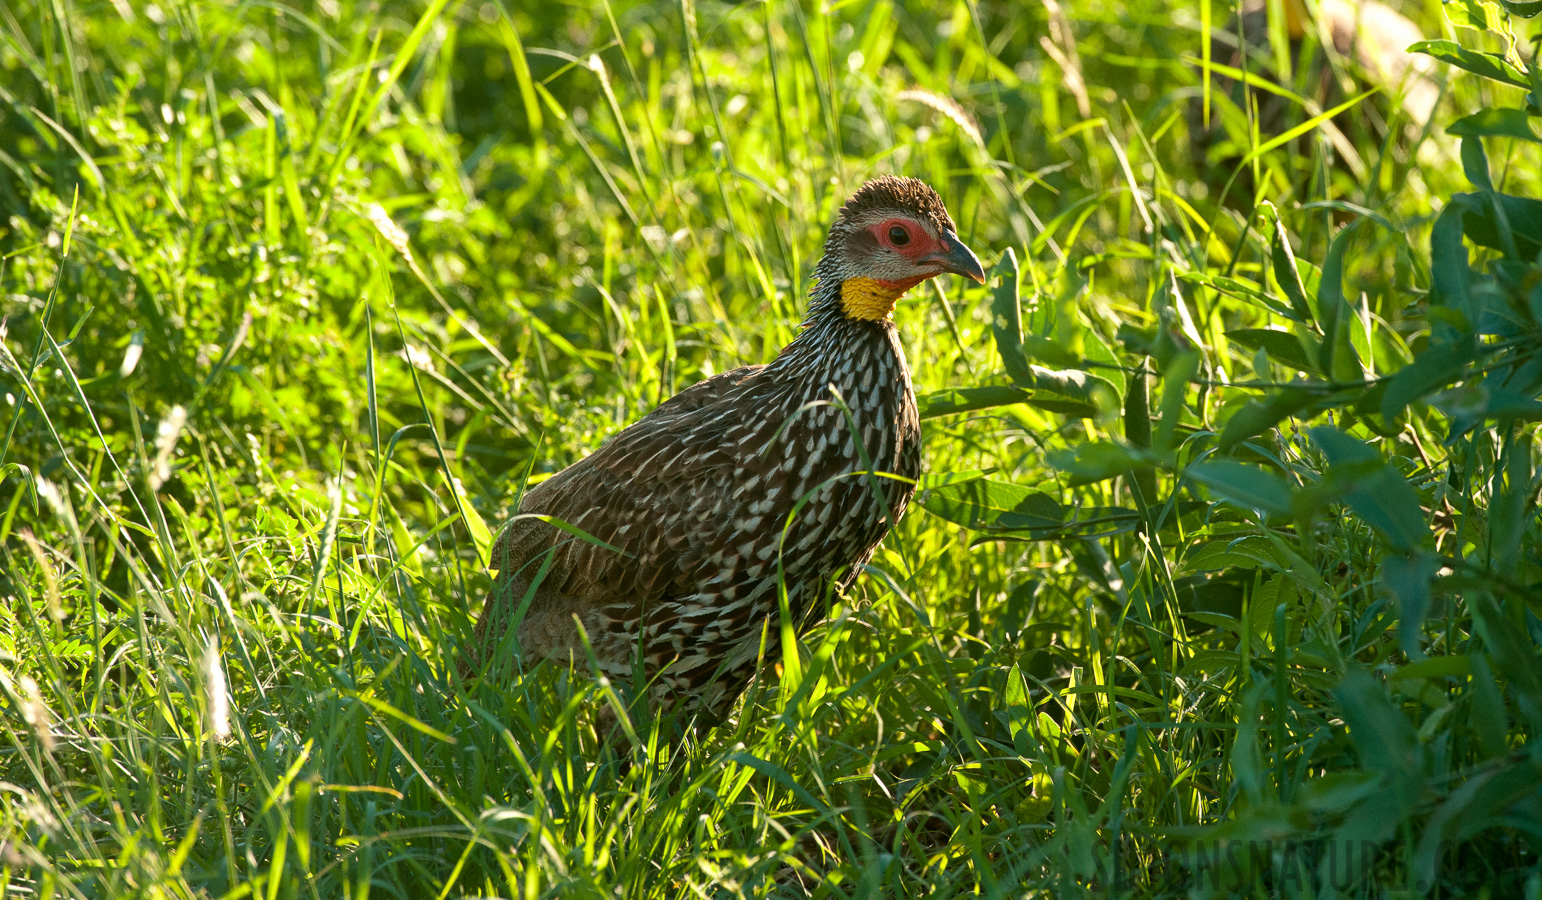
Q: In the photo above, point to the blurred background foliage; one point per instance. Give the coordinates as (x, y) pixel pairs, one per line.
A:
(1229, 538)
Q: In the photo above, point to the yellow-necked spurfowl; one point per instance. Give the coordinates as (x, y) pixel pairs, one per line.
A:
(698, 496)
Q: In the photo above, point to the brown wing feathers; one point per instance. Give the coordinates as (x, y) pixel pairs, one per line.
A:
(696, 495)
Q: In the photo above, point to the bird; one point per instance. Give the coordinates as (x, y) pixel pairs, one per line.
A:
(683, 530)
(1371, 37)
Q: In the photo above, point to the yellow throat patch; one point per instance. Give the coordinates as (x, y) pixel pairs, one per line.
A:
(869, 299)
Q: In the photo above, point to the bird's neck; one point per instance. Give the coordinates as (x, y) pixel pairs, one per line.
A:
(837, 348)
(872, 299)
(840, 293)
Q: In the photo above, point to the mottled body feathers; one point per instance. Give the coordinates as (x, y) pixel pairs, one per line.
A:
(696, 500)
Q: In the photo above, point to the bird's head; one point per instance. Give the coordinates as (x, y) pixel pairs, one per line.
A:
(893, 234)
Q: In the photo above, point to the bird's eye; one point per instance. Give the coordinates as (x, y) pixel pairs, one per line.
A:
(898, 236)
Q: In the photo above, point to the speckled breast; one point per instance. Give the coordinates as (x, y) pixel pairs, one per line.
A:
(809, 494)
(849, 457)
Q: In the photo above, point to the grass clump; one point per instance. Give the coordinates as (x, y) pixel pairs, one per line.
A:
(1224, 576)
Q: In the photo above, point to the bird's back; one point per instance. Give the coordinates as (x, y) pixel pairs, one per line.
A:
(679, 525)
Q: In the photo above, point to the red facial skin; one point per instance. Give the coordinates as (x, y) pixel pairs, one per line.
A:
(921, 244)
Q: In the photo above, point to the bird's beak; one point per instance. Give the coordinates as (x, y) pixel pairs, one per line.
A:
(956, 258)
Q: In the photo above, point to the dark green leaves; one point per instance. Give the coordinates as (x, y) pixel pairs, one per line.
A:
(1381, 734)
(1002, 509)
(1450, 271)
(1097, 461)
(1407, 579)
(1288, 274)
(982, 504)
(1250, 487)
(1495, 123)
(1432, 370)
(1337, 355)
(1070, 392)
(1258, 416)
(1006, 317)
(1488, 65)
(957, 400)
(1078, 393)
(1355, 475)
(1282, 346)
(1514, 227)
(1373, 489)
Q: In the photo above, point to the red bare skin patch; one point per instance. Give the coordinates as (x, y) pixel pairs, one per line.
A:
(903, 285)
(920, 244)
(872, 298)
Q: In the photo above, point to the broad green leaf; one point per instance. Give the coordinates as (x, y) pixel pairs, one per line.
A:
(1073, 391)
(1511, 510)
(1486, 715)
(1236, 287)
(1282, 346)
(1098, 351)
(1018, 708)
(1493, 122)
(1484, 15)
(1450, 271)
(1407, 579)
(1433, 667)
(1338, 791)
(1278, 589)
(1137, 406)
(1475, 164)
(1337, 355)
(1526, 9)
(1477, 803)
(1175, 385)
(1007, 318)
(1248, 552)
(942, 479)
(1521, 215)
(1259, 416)
(1381, 733)
(481, 536)
(1137, 431)
(1373, 489)
(1288, 274)
(958, 400)
(1432, 370)
(1096, 461)
(1042, 348)
(982, 504)
(1247, 486)
(1513, 653)
(1214, 620)
(1341, 449)
(1070, 392)
(1488, 65)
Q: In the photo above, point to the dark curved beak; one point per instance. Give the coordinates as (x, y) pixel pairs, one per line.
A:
(956, 258)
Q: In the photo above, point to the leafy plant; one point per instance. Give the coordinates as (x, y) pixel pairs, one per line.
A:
(1223, 576)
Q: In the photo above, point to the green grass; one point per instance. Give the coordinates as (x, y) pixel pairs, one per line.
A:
(1222, 593)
